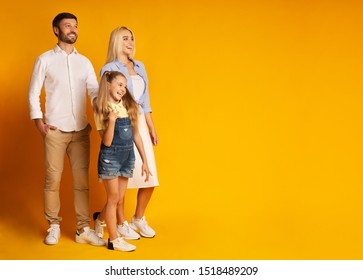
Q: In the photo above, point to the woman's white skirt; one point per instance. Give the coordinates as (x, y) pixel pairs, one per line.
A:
(138, 181)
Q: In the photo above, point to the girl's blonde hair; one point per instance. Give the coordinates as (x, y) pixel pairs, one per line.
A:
(102, 109)
(115, 44)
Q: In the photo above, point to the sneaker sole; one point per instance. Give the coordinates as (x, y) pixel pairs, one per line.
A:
(50, 243)
(130, 238)
(110, 247)
(126, 237)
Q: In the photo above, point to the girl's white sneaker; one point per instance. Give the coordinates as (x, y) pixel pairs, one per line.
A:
(120, 244)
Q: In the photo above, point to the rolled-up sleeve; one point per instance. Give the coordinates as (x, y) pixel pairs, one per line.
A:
(145, 104)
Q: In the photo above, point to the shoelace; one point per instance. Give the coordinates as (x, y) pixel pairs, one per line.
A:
(91, 233)
(102, 225)
(127, 227)
(118, 240)
(123, 242)
(52, 232)
(88, 232)
(143, 223)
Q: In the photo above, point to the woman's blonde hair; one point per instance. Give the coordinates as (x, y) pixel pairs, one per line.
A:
(115, 44)
(102, 109)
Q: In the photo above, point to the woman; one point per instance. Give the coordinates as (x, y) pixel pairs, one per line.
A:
(120, 57)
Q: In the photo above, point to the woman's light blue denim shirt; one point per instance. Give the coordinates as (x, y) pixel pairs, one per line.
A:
(144, 100)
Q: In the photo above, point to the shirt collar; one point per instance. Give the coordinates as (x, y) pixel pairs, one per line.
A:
(119, 64)
(57, 49)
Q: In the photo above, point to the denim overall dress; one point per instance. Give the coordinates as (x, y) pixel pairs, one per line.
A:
(118, 159)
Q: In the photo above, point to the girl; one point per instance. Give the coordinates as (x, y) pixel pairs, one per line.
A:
(116, 118)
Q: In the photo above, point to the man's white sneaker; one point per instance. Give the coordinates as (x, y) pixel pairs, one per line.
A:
(99, 225)
(142, 226)
(53, 235)
(126, 232)
(120, 244)
(88, 236)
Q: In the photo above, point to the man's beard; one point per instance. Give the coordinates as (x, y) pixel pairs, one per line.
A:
(63, 37)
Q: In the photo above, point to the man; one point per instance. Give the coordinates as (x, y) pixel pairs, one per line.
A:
(66, 76)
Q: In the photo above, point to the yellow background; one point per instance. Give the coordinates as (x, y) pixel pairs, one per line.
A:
(258, 107)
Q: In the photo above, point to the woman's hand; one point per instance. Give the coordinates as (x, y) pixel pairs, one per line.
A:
(145, 170)
(154, 138)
